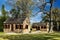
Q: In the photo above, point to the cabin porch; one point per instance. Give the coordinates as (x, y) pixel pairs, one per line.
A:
(18, 28)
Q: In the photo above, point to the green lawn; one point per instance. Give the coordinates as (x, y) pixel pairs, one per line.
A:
(46, 36)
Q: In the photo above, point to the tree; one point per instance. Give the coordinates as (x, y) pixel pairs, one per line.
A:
(4, 12)
(50, 13)
(56, 17)
(42, 8)
(22, 6)
(3, 17)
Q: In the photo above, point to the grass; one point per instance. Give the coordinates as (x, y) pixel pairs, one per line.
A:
(46, 36)
(1, 33)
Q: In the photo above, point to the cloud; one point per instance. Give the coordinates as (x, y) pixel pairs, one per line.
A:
(48, 4)
(40, 12)
(0, 12)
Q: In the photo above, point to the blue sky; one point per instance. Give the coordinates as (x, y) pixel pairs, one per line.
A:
(37, 18)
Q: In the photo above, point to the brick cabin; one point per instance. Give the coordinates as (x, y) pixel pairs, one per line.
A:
(40, 26)
(18, 25)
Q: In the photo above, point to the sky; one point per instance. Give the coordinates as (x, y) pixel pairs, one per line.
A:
(37, 18)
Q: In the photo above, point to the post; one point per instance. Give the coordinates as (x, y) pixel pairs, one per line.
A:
(10, 27)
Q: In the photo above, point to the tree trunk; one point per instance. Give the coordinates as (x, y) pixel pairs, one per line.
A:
(50, 27)
(57, 26)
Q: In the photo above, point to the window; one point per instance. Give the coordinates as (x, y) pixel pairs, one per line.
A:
(38, 28)
(16, 26)
(21, 26)
(44, 27)
(34, 27)
(6, 26)
(41, 27)
(26, 26)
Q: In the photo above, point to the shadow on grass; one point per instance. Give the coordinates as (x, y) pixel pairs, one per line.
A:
(31, 37)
